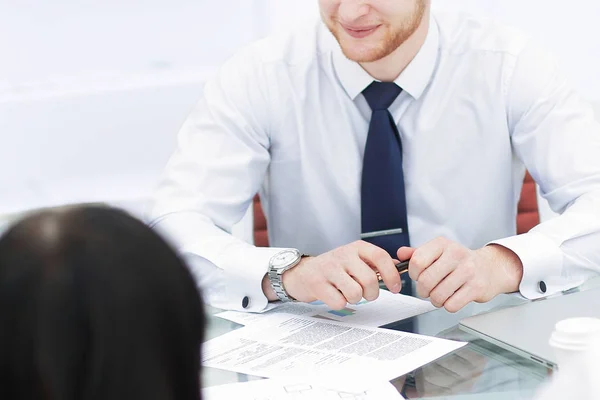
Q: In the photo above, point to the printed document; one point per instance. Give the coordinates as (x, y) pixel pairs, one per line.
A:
(270, 389)
(317, 350)
(386, 309)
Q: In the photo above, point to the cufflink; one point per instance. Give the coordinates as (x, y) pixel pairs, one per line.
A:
(542, 287)
(245, 302)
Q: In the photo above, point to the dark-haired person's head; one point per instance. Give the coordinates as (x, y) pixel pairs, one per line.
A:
(95, 305)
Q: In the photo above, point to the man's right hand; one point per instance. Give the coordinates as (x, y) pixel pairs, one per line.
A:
(343, 275)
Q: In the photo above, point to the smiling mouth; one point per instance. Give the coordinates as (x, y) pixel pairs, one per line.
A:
(359, 32)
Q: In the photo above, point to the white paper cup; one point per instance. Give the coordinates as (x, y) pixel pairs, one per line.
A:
(573, 336)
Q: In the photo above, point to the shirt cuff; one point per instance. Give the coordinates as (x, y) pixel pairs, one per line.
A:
(244, 275)
(244, 270)
(243, 266)
(542, 261)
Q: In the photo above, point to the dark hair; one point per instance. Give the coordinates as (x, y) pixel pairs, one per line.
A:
(95, 305)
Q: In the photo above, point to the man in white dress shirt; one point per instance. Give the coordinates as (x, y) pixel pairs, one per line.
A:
(288, 117)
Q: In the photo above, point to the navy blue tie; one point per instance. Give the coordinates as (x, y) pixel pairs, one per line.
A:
(383, 199)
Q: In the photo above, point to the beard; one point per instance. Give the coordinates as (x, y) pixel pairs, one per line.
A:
(393, 38)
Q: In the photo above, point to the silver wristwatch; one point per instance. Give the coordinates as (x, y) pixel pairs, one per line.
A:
(279, 263)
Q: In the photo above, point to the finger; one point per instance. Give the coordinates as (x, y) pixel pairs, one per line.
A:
(330, 295)
(446, 288)
(381, 261)
(426, 255)
(405, 253)
(350, 289)
(458, 300)
(435, 274)
(366, 277)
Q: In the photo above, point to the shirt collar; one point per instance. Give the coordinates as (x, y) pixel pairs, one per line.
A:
(413, 80)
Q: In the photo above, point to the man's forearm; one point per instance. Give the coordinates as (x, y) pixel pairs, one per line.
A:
(511, 265)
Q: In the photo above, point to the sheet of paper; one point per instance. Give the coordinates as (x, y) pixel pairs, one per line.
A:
(386, 309)
(325, 352)
(271, 389)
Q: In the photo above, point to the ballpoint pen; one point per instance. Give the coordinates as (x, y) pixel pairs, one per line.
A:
(402, 267)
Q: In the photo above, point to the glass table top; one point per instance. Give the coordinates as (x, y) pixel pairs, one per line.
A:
(480, 370)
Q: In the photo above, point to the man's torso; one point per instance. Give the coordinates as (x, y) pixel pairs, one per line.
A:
(462, 178)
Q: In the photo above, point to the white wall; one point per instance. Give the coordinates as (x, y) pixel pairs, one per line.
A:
(92, 93)
(73, 40)
(284, 14)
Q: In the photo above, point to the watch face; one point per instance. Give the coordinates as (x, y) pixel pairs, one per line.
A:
(284, 258)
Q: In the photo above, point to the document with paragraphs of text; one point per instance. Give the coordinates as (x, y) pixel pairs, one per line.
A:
(344, 356)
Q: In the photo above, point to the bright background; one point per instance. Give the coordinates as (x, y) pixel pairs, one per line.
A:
(92, 92)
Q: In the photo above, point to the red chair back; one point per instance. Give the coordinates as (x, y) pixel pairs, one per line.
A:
(528, 214)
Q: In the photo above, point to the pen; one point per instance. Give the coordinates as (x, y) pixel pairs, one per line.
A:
(402, 267)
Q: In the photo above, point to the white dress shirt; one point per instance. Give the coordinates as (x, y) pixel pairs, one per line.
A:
(286, 117)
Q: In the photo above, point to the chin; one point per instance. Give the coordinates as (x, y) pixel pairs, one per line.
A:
(363, 54)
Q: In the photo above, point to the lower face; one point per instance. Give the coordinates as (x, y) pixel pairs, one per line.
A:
(368, 31)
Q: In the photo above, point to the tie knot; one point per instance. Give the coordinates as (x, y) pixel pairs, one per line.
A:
(381, 95)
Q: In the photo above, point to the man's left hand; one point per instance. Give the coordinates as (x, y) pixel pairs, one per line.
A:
(452, 276)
